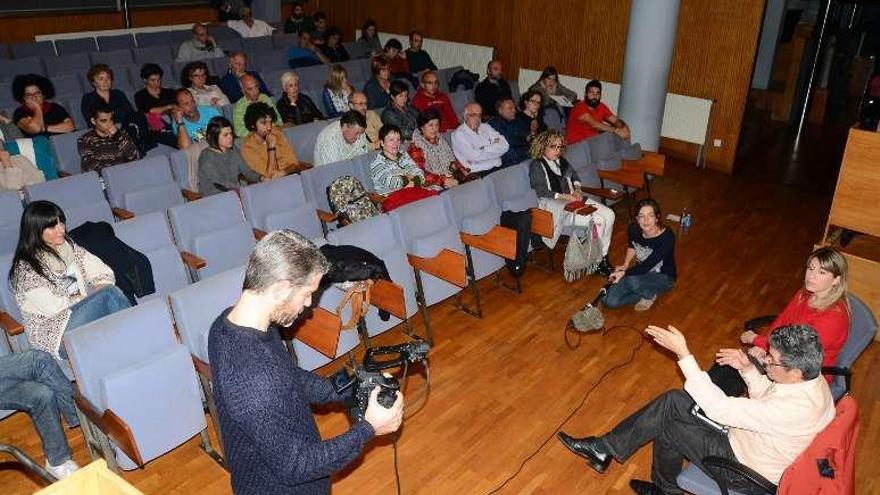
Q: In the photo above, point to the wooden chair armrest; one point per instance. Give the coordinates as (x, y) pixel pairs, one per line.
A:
(113, 426)
(389, 296)
(542, 222)
(202, 367)
(500, 241)
(602, 192)
(448, 265)
(122, 213)
(190, 195)
(319, 330)
(377, 198)
(650, 163)
(192, 260)
(10, 324)
(259, 234)
(326, 216)
(631, 178)
(64, 173)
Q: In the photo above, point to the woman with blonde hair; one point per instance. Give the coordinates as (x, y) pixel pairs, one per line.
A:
(820, 304)
(557, 184)
(337, 89)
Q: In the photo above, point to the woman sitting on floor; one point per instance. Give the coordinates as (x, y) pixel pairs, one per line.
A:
(557, 184)
(652, 247)
(57, 284)
(820, 304)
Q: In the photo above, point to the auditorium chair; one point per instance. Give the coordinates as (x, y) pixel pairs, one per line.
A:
(158, 38)
(141, 186)
(79, 196)
(514, 91)
(150, 235)
(115, 42)
(4, 51)
(137, 394)
(302, 137)
(460, 99)
(212, 234)
(67, 86)
(444, 75)
(436, 253)
(696, 481)
(10, 68)
(513, 191)
(281, 204)
(379, 236)
(477, 215)
(222, 34)
(314, 77)
(317, 179)
(76, 45)
(72, 63)
(158, 54)
(281, 41)
(255, 45)
(231, 45)
(358, 69)
(10, 220)
(32, 49)
(270, 60)
(113, 58)
(580, 158)
(10, 316)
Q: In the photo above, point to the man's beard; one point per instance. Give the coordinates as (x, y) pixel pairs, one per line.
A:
(593, 103)
(284, 318)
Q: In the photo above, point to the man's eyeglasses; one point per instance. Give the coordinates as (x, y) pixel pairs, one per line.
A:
(556, 146)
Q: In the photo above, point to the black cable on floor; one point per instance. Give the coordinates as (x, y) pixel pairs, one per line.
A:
(423, 397)
(589, 391)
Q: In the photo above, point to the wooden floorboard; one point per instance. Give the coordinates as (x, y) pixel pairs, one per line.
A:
(502, 385)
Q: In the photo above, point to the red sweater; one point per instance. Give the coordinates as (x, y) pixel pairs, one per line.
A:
(832, 324)
(441, 102)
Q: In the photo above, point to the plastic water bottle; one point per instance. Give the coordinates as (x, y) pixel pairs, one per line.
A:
(685, 221)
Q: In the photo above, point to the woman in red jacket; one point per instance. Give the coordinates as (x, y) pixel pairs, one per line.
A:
(820, 303)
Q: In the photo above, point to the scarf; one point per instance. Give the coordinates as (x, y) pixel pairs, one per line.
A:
(438, 157)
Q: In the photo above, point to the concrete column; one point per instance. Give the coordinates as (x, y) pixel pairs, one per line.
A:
(649, 43)
(771, 28)
(267, 10)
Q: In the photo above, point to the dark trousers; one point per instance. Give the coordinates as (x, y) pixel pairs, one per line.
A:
(677, 435)
(728, 380)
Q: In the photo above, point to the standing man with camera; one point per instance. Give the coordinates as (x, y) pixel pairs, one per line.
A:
(270, 437)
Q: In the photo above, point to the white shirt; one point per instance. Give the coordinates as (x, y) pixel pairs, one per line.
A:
(259, 28)
(331, 146)
(479, 151)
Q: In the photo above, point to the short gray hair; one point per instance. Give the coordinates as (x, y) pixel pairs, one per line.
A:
(287, 77)
(799, 348)
(283, 255)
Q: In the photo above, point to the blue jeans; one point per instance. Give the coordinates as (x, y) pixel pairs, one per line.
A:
(632, 288)
(98, 304)
(32, 382)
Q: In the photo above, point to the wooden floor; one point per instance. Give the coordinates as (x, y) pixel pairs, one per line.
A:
(502, 386)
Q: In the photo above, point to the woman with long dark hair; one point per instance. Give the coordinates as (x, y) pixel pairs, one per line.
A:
(57, 284)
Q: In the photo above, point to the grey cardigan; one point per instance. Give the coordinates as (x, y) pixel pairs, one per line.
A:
(541, 183)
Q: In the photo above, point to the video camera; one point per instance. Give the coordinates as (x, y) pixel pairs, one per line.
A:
(363, 379)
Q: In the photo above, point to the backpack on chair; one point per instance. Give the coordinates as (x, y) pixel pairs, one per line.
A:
(349, 200)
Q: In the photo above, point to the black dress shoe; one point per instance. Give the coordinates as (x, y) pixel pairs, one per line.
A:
(644, 487)
(589, 448)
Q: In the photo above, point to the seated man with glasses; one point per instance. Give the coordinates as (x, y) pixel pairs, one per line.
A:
(430, 96)
(476, 145)
(105, 145)
(766, 431)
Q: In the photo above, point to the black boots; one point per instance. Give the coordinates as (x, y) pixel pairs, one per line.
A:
(604, 269)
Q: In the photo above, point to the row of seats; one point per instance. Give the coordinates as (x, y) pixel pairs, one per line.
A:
(223, 34)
